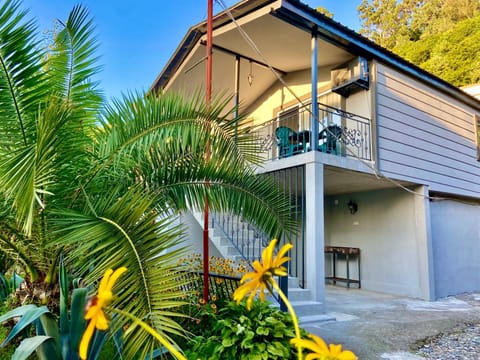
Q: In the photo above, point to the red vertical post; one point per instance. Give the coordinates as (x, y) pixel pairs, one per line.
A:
(208, 98)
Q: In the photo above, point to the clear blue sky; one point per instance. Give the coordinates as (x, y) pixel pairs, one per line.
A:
(138, 37)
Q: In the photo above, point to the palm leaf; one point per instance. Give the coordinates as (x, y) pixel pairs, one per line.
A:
(123, 230)
(22, 85)
(72, 65)
(161, 143)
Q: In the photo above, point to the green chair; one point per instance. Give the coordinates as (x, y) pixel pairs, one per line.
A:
(332, 135)
(287, 142)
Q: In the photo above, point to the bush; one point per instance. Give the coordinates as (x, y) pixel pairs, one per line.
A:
(234, 332)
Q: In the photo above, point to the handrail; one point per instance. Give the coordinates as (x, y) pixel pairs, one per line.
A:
(354, 138)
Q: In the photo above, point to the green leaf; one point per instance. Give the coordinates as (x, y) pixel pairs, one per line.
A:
(27, 318)
(262, 331)
(64, 322)
(28, 346)
(19, 311)
(50, 328)
(77, 321)
(228, 341)
(96, 344)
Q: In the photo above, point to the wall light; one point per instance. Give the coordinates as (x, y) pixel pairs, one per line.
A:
(352, 207)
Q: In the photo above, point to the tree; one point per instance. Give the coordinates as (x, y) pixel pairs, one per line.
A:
(324, 11)
(427, 32)
(451, 55)
(392, 22)
(102, 183)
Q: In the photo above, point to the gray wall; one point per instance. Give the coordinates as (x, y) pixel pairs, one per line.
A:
(456, 247)
(194, 236)
(386, 230)
(424, 136)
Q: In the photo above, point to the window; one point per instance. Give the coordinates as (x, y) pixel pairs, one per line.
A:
(289, 118)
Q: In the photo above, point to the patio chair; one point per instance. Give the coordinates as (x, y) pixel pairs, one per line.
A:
(332, 135)
(287, 142)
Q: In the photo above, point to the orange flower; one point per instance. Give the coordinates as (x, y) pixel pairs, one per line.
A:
(95, 312)
(262, 276)
(321, 351)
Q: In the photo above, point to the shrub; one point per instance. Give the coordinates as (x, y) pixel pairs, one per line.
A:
(234, 332)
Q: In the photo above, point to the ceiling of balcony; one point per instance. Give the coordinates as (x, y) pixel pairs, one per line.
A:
(341, 181)
(279, 44)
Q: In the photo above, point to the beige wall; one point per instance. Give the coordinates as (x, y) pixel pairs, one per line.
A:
(279, 97)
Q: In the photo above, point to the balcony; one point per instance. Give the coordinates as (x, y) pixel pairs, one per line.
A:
(340, 133)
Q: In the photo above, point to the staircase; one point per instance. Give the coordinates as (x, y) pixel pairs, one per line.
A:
(230, 239)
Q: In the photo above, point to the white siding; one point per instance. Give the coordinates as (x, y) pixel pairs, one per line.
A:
(424, 136)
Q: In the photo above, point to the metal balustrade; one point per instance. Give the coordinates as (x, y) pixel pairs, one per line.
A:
(349, 133)
(250, 242)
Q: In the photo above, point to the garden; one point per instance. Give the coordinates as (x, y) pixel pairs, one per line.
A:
(92, 262)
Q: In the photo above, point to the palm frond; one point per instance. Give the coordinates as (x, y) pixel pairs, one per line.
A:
(123, 230)
(22, 85)
(27, 175)
(72, 65)
(161, 143)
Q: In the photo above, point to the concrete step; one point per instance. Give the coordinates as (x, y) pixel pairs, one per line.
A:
(305, 309)
(309, 311)
(319, 318)
(299, 294)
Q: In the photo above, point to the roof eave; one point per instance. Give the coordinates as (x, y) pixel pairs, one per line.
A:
(305, 17)
(196, 32)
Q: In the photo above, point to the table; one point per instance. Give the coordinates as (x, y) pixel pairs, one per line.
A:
(348, 252)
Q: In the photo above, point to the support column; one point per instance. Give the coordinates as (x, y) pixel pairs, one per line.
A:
(314, 231)
(423, 237)
(314, 113)
(236, 98)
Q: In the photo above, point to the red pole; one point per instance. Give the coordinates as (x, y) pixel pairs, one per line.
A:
(208, 95)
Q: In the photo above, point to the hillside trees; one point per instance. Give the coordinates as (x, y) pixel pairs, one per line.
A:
(440, 36)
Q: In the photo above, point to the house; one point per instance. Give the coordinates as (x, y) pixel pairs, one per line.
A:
(391, 178)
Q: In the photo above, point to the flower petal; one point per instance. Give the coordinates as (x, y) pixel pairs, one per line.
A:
(117, 273)
(347, 355)
(104, 281)
(87, 335)
(101, 321)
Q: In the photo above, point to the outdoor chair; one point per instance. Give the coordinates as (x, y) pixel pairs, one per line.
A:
(332, 135)
(287, 142)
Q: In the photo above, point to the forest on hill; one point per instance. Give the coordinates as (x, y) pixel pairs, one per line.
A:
(440, 36)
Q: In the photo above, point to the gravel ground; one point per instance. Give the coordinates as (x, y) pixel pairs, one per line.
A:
(461, 344)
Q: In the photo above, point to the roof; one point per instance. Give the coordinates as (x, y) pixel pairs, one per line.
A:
(303, 17)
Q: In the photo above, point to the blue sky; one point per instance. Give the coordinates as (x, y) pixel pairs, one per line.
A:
(137, 38)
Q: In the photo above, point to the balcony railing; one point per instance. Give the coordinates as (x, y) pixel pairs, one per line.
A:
(340, 133)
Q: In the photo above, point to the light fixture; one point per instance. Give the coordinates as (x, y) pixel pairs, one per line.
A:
(352, 207)
(250, 75)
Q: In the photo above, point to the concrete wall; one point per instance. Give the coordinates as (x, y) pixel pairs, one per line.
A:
(456, 247)
(388, 233)
(194, 236)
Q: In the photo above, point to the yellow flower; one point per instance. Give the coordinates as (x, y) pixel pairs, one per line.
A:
(95, 311)
(321, 351)
(262, 276)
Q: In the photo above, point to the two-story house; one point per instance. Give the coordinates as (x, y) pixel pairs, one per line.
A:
(381, 156)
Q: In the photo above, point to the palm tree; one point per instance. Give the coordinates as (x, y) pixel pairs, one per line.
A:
(102, 183)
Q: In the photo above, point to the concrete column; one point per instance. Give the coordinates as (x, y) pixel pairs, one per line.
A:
(314, 234)
(423, 237)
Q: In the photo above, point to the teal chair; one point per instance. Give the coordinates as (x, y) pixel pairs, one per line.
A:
(332, 135)
(287, 142)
